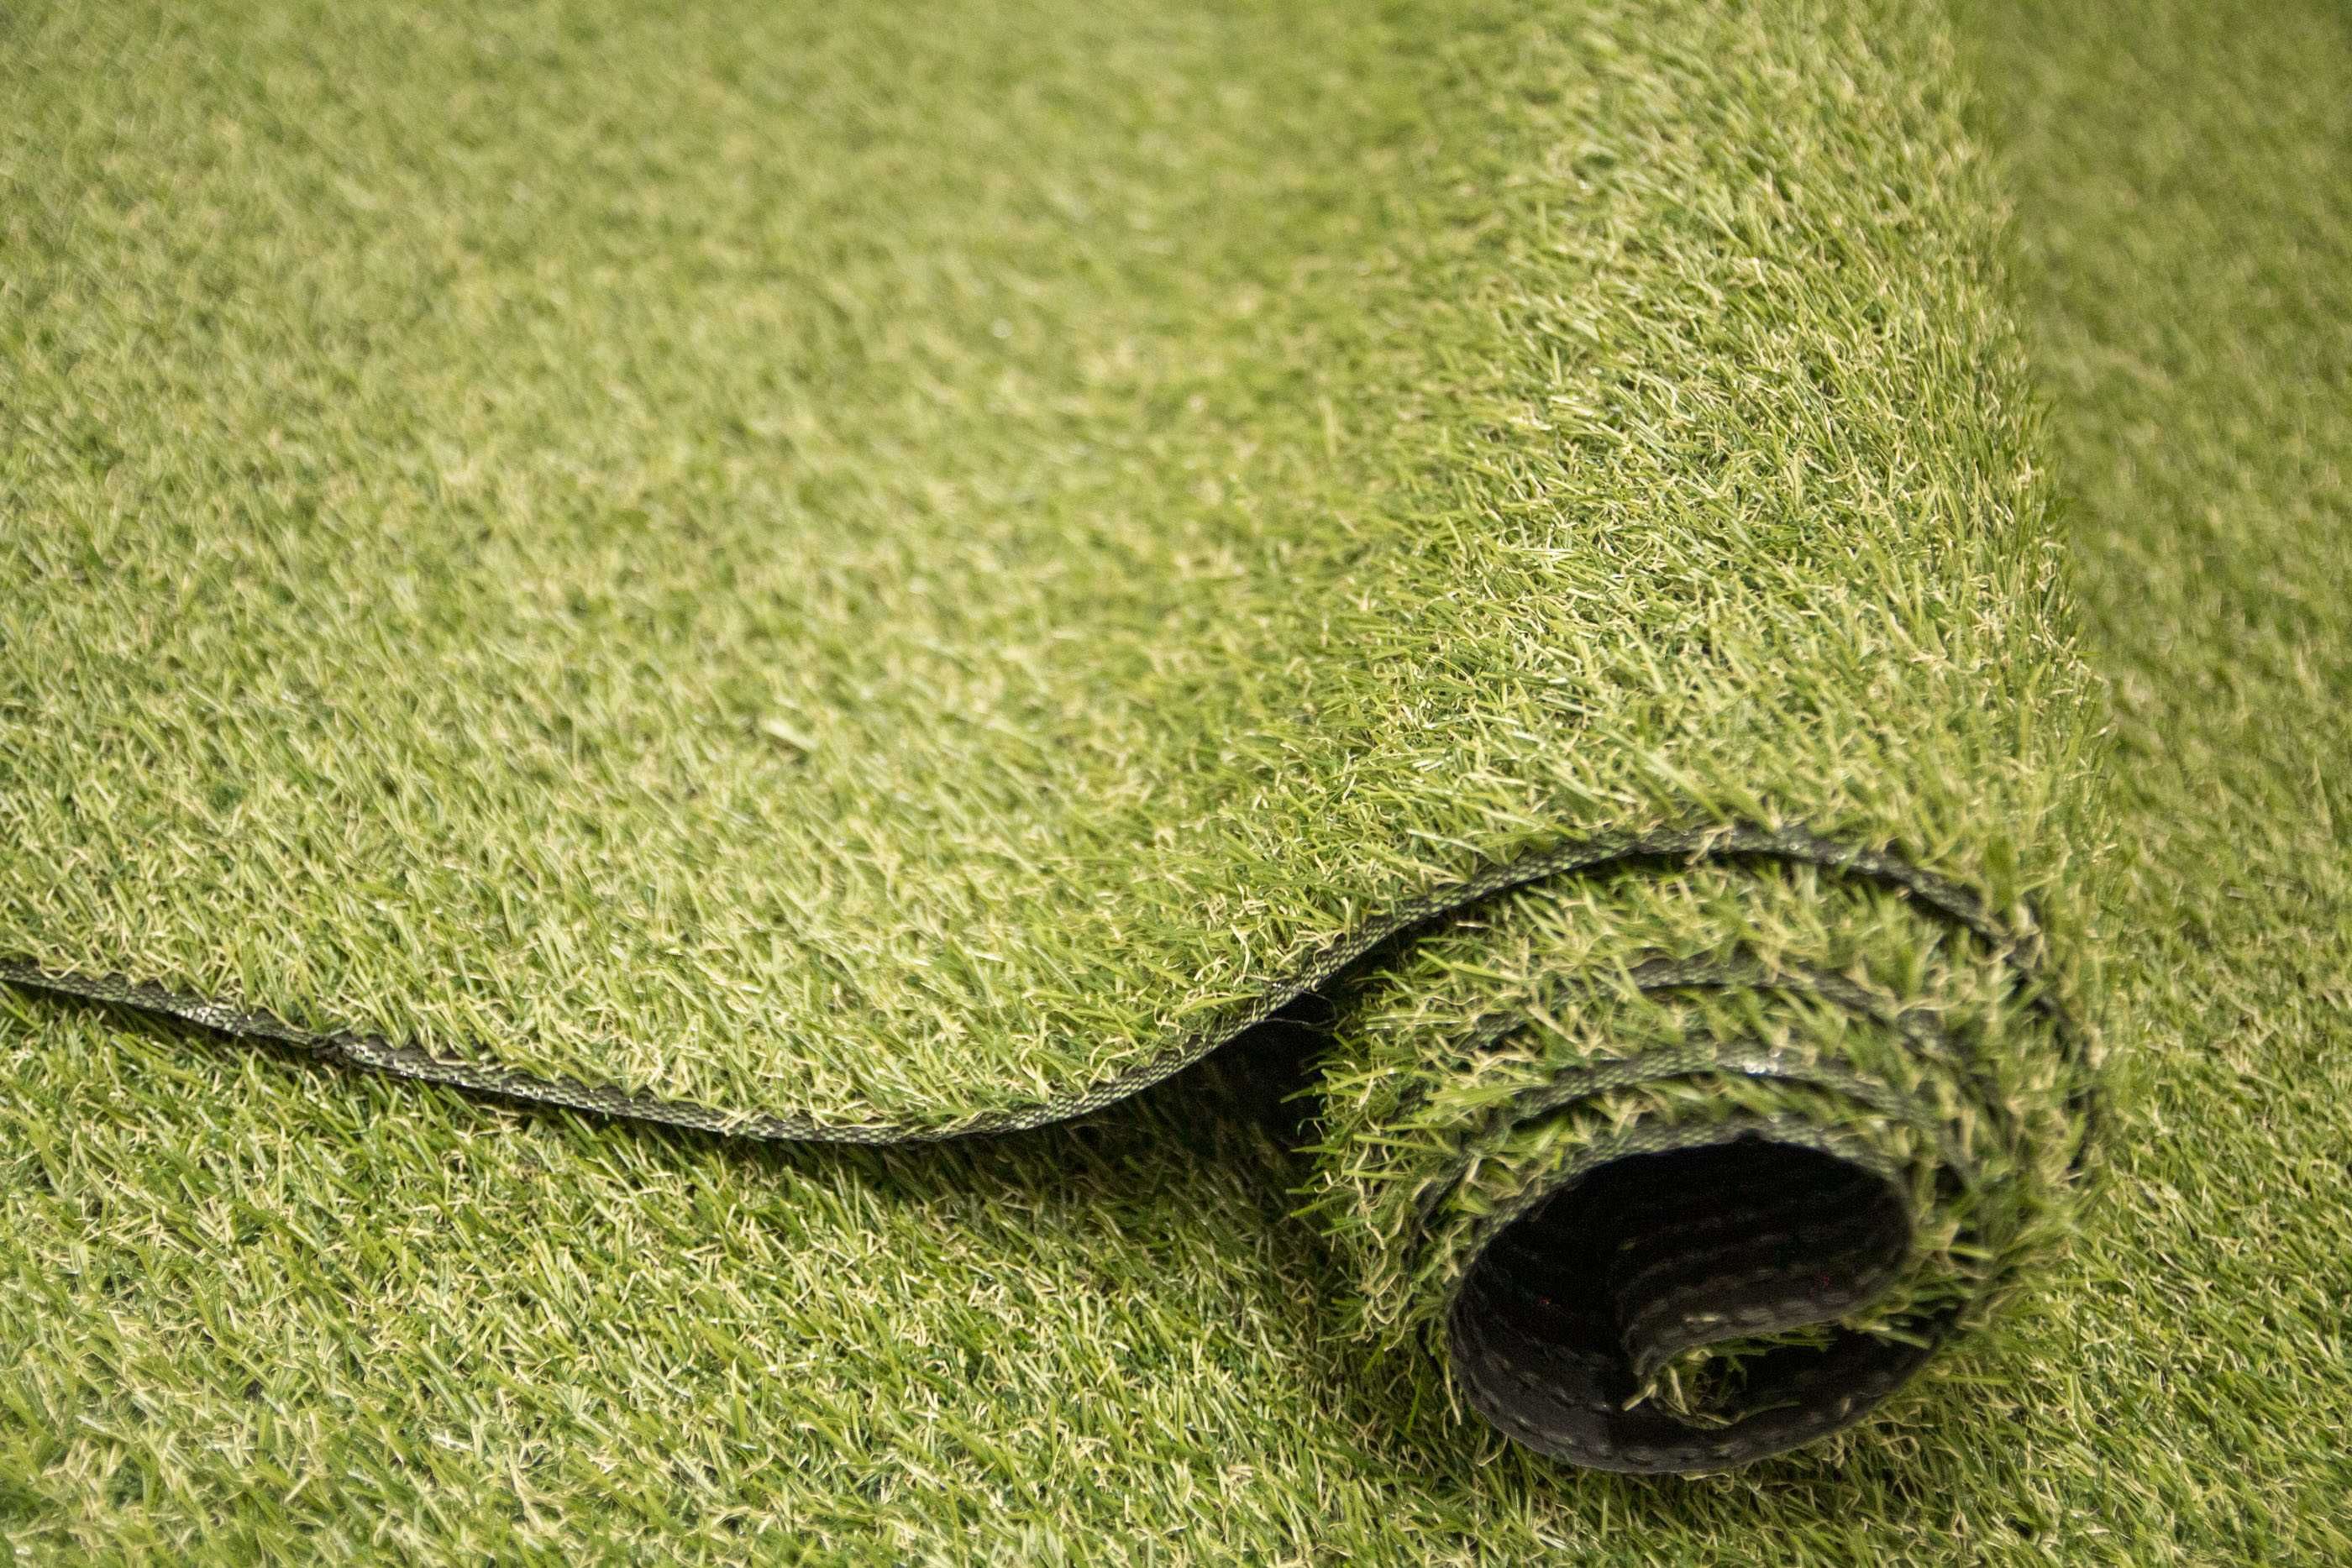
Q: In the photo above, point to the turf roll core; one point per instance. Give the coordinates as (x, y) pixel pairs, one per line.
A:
(821, 576)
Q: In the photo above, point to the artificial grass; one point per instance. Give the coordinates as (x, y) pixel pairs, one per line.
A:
(924, 589)
(476, 1330)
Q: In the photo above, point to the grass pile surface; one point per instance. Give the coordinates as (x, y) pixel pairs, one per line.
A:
(811, 574)
(281, 1309)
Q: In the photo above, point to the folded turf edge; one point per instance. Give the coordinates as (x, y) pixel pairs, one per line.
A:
(1946, 899)
(1754, 1225)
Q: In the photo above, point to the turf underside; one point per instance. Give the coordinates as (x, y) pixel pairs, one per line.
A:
(283, 1304)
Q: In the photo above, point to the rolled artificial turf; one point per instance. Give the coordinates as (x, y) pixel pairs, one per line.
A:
(876, 578)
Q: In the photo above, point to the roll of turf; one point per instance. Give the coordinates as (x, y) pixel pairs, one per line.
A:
(854, 579)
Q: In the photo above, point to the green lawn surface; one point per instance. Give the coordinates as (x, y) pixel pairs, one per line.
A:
(250, 1307)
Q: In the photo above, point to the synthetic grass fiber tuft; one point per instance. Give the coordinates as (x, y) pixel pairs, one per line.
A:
(870, 575)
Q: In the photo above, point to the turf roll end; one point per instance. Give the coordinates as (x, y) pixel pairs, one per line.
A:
(1685, 1162)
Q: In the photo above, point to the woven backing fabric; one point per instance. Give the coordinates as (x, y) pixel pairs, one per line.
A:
(835, 603)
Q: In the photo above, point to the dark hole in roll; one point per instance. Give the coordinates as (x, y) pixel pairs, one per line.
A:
(1567, 1311)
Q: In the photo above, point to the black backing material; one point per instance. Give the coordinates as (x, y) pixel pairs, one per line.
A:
(1569, 1309)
